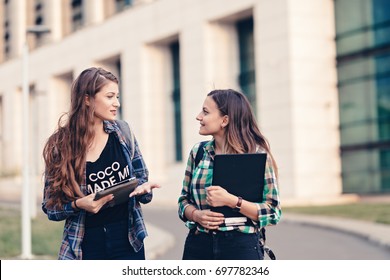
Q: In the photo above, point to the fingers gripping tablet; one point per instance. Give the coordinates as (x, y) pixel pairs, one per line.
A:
(121, 191)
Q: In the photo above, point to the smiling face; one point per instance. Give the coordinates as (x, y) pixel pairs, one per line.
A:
(106, 102)
(211, 121)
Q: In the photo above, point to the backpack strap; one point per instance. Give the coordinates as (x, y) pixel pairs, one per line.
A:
(129, 136)
(199, 153)
(267, 249)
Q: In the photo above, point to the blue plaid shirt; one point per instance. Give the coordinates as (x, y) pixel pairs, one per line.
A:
(74, 227)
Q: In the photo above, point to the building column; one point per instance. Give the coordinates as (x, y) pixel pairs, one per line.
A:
(94, 11)
(298, 102)
(56, 15)
(18, 21)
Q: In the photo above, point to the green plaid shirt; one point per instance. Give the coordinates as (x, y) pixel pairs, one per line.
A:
(197, 179)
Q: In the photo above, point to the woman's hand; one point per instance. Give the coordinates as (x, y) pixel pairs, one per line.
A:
(208, 219)
(146, 187)
(90, 205)
(218, 196)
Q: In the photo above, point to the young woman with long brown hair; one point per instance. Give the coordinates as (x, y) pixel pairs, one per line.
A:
(90, 152)
(226, 116)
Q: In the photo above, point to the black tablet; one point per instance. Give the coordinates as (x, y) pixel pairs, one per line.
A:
(121, 191)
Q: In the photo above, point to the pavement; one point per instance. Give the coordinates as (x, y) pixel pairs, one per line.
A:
(157, 246)
(376, 233)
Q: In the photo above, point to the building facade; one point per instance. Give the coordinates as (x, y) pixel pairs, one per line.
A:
(363, 63)
(168, 54)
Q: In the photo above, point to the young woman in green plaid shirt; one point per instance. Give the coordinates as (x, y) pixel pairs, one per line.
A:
(226, 116)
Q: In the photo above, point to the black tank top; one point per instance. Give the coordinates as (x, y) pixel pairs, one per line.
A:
(109, 169)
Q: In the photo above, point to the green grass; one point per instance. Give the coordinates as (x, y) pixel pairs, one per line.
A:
(46, 235)
(373, 212)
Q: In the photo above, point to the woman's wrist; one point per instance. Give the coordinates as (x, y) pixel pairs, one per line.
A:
(233, 201)
(75, 207)
(192, 213)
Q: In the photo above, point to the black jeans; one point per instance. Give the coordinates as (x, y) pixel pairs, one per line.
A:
(109, 242)
(219, 245)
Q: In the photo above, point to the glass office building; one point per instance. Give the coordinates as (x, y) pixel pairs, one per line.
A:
(363, 64)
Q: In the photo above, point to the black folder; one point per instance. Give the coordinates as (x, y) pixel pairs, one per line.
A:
(241, 175)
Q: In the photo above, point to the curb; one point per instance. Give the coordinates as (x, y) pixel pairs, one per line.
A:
(374, 232)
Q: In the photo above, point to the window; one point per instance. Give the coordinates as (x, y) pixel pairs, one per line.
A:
(38, 12)
(122, 4)
(246, 76)
(39, 19)
(77, 14)
(363, 64)
(175, 59)
(385, 169)
(7, 30)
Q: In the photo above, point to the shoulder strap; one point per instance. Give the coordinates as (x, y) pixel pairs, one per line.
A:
(129, 136)
(267, 249)
(199, 153)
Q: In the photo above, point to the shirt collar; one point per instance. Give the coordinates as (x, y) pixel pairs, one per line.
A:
(209, 147)
(109, 126)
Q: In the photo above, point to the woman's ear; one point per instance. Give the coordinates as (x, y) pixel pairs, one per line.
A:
(86, 99)
(225, 121)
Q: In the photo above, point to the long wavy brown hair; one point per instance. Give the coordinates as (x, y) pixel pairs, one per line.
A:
(242, 134)
(65, 151)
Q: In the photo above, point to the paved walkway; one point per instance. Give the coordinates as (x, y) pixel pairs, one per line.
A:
(377, 233)
(374, 232)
